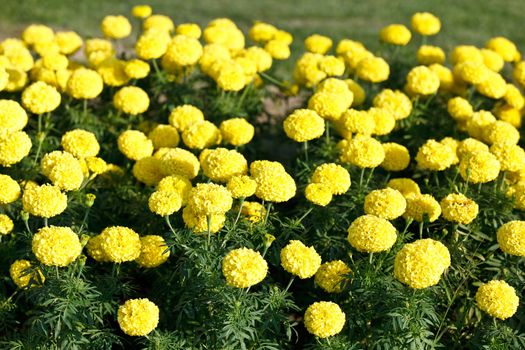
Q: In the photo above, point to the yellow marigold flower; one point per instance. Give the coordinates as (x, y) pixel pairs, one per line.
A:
(182, 117)
(221, 164)
(191, 30)
(44, 201)
(395, 101)
(85, 84)
(137, 69)
(501, 132)
(307, 72)
(6, 224)
(148, 170)
(131, 100)
(255, 212)
(384, 121)
(498, 299)
(113, 72)
(514, 97)
(422, 207)
(152, 45)
(332, 276)
(141, 11)
(459, 108)
(154, 251)
(262, 32)
(115, 27)
(364, 152)
(492, 60)
(54, 61)
(201, 135)
(237, 131)
(278, 49)
(178, 184)
(178, 161)
(504, 47)
(332, 66)
(303, 125)
(164, 136)
(241, 186)
(80, 143)
(182, 51)
(407, 187)
(479, 167)
(63, 169)
(274, 184)
(96, 165)
(386, 203)
(357, 91)
(517, 194)
(9, 190)
(199, 223)
(318, 193)
(425, 23)
(511, 157)
(509, 114)
(23, 275)
(422, 80)
(428, 54)
(318, 43)
(244, 268)
(395, 34)
(4, 78)
(334, 176)
(453, 144)
(300, 260)
(37, 33)
(40, 98)
(209, 199)
(458, 208)
(373, 69)
(138, 317)
(165, 203)
(355, 121)
(120, 244)
(519, 73)
(420, 264)
(511, 238)
(69, 42)
(56, 246)
(347, 45)
(446, 79)
(231, 77)
(435, 156)
(472, 72)
(134, 144)
(261, 58)
(14, 147)
(469, 146)
(324, 319)
(94, 249)
(397, 157)
(494, 86)
(159, 23)
(371, 234)
(328, 105)
(283, 36)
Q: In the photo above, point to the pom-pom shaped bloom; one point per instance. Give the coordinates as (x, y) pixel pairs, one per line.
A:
(514, 97)
(334, 176)
(141, 11)
(425, 23)
(492, 60)
(23, 275)
(435, 156)
(182, 51)
(14, 147)
(164, 203)
(324, 319)
(469, 146)
(148, 170)
(154, 251)
(158, 23)
(138, 317)
(364, 152)
(12, 117)
(479, 167)
(300, 260)
(395, 34)
(458, 208)
(511, 238)
(420, 264)
(221, 164)
(394, 101)
(407, 187)
(397, 157)
(80, 143)
(203, 223)
(371, 234)
(386, 203)
(472, 72)
(422, 80)
(373, 69)
(384, 121)
(504, 47)
(56, 246)
(44, 201)
(237, 131)
(318, 193)
(209, 199)
(201, 135)
(328, 105)
(120, 244)
(182, 117)
(253, 211)
(178, 161)
(115, 27)
(332, 276)
(303, 125)
(164, 136)
(241, 186)
(278, 49)
(494, 86)
(137, 69)
(427, 55)
(39, 98)
(244, 268)
(479, 122)
(422, 207)
(355, 121)
(191, 30)
(95, 250)
(501, 132)
(152, 45)
(498, 299)
(131, 100)
(318, 43)
(63, 169)
(37, 33)
(459, 108)
(262, 32)
(178, 184)
(85, 84)
(134, 144)
(9, 189)
(274, 184)
(6, 224)
(510, 157)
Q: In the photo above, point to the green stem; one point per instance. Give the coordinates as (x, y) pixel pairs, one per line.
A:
(157, 70)
(84, 107)
(305, 214)
(272, 80)
(84, 220)
(289, 284)
(241, 202)
(305, 145)
(371, 258)
(169, 224)
(268, 208)
(45, 222)
(369, 177)
(208, 221)
(421, 224)
(361, 178)
(327, 128)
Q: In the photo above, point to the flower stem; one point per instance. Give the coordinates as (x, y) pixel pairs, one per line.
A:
(289, 284)
(268, 208)
(169, 224)
(241, 202)
(305, 145)
(157, 70)
(208, 221)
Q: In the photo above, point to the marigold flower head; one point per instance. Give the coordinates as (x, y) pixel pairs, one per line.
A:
(428, 54)
(278, 49)
(420, 264)
(406, 186)
(469, 146)
(254, 211)
(397, 157)
(201, 135)
(178, 161)
(274, 184)
(395, 101)
(384, 121)
(164, 203)
(371, 234)
(435, 156)
(504, 47)
(159, 23)
(237, 131)
(191, 30)
(164, 136)
(510, 157)
(241, 186)
(152, 45)
(373, 69)
(244, 268)
(262, 32)
(9, 189)
(209, 199)
(334, 176)
(511, 238)
(115, 27)
(498, 299)
(324, 319)
(178, 184)
(479, 167)
(182, 51)
(184, 116)
(154, 251)
(221, 164)
(447, 82)
(12, 117)
(422, 207)
(148, 170)
(472, 72)
(318, 193)
(199, 223)
(459, 108)
(492, 60)
(120, 244)
(14, 147)
(300, 260)
(40, 98)
(56, 246)
(95, 250)
(63, 169)
(137, 69)
(501, 132)
(364, 152)
(425, 23)
(514, 97)
(113, 73)
(386, 203)
(85, 84)
(134, 144)
(421, 80)
(303, 125)
(395, 34)
(333, 66)
(332, 276)
(318, 43)
(494, 86)
(6, 224)
(356, 121)
(458, 208)
(141, 11)
(138, 317)
(44, 201)
(131, 100)
(80, 143)
(329, 105)
(24, 275)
